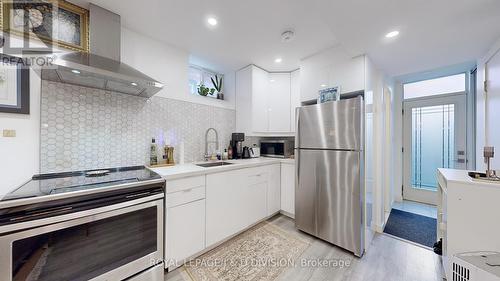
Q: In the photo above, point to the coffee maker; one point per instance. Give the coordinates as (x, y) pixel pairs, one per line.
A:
(237, 145)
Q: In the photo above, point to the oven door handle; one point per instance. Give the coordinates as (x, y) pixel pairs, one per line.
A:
(51, 212)
(22, 225)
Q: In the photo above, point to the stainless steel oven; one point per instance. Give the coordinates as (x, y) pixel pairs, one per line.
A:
(276, 148)
(106, 237)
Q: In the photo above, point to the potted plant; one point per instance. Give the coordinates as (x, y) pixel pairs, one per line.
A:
(218, 86)
(205, 91)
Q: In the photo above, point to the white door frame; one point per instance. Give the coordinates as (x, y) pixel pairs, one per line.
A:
(429, 196)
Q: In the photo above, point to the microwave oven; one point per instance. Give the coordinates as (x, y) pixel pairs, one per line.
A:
(276, 148)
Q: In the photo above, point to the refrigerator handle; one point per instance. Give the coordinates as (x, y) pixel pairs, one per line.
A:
(297, 133)
(297, 169)
(317, 182)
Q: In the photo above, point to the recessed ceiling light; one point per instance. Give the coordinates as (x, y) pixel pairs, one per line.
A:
(75, 71)
(272, 80)
(392, 34)
(212, 21)
(278, 60)
(133, 84)
(323, 85)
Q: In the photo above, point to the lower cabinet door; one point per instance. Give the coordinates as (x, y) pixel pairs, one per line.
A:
(273, 190)
(235, 200)
(254, 203)
(288, 188)
(185, 232)
(224, 210)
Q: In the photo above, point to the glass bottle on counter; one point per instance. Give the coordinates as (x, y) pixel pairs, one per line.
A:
(153, 154)
(230, 152)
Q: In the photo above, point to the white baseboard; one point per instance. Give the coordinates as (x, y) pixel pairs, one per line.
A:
(292, 216)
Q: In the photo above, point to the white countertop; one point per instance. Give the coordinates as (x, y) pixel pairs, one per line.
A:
(462, 176)
(191, 169)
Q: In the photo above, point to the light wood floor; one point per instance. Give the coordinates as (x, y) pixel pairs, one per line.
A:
(387, 259)
(416, 208)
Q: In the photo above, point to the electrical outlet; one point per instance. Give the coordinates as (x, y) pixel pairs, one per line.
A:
(9, 133)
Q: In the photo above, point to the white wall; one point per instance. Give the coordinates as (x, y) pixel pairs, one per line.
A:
(486, 124)
(168, 65)
(397, 155)
(19, 156)
(389, 173)
(375, 169)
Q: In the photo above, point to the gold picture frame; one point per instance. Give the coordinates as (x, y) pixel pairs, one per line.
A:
(72, 22)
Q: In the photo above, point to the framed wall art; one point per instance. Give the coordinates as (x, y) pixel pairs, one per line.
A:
(14, 87)
(55, 22)
(329, 94)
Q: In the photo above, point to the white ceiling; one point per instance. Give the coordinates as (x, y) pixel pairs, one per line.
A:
(433, 33)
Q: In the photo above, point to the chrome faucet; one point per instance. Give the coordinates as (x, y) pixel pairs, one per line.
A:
(207, 156)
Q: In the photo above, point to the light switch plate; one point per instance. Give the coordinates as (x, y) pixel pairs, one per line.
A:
(9, 133)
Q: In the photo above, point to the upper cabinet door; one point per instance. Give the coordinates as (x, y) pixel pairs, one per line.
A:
(264, 101)
(278, 102)
(260, 109)
(244, 100)
(330, 68)
(294, 97)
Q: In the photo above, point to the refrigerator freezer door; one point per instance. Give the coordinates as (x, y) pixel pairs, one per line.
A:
(329, 197)
(331, 125)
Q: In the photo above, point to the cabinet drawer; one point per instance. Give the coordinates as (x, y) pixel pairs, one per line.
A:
(185, 196)
(185, 183)
(255, 175)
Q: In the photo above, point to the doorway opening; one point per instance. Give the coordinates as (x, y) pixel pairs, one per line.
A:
(435, 133)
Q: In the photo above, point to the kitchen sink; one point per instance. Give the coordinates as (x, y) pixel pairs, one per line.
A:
(213, 164)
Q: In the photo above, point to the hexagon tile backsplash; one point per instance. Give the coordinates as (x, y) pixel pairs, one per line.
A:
(84, 128)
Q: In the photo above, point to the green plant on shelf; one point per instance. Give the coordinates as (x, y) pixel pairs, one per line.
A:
(217, 83)
(205, 91)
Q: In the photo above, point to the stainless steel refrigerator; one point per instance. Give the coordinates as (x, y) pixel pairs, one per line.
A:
(329, 172)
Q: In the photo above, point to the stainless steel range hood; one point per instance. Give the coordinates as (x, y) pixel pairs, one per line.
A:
(89, 70)
(101, 68)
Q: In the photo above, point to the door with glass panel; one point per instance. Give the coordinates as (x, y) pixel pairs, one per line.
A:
(434, 137)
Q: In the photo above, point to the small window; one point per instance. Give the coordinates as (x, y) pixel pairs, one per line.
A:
(201, 77)
(432, 87)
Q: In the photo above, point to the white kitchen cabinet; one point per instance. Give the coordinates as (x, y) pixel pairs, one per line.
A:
(243, 101)
(185, 231)
(467, 215)
(278, 102)
(253, 204)
(184, 219)
(260, 107)
(223, 213)
(238, 199)
(263, 102)
(288, 189)
(274, 190)
(330, 68)
(294, 97)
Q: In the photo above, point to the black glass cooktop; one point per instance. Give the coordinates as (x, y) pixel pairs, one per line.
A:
(57, 183)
